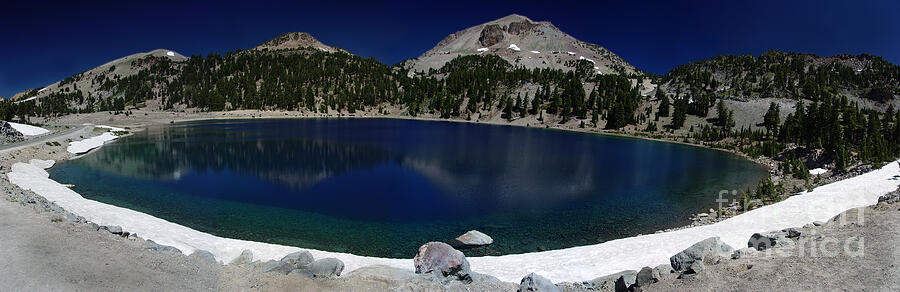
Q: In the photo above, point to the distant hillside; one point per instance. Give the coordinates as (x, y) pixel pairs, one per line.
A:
(96, 85)
(523, 43)
(864, 78)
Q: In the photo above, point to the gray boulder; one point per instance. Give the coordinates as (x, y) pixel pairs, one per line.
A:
(443, 261)
(245, 258)
(706, 248)
(117, 230)
(764, 241)
(473, 238)
(93, 226)
(327, 267)
(818, 223)
(278, 267)
(625, 282)
(71, 217)
(151, 245)
(534, 282)
(299, 260)
(204, 256)
(608, 282)
(665, 272)
(646, 277)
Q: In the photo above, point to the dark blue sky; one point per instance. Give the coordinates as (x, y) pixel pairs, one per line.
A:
(44, 42)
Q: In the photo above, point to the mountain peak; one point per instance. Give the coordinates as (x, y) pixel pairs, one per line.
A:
(523, 43)
(294, 41)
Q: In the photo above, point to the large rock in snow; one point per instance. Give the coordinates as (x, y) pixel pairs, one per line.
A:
(706, 248)
(327, 267)
(473, 238)
(245, 258)
(534, 282)
(299, 260)
(443, 261)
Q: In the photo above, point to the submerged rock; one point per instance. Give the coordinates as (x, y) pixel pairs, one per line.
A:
(443, 261)
(534, 282)
(707, 248)
(473, 238)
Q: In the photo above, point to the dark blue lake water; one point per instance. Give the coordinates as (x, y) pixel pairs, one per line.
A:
(383, 187)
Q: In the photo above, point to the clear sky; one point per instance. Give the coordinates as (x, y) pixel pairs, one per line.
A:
(44, 42)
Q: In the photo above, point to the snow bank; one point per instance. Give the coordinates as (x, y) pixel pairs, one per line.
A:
(45, 164)
(535, 52)
(571, 53)
(111, 128)
(28, 130)
(514, 47)
(564, 265)
(817, 171)
(88, 144)
(482, 50)
(170, 54)
(583, 58)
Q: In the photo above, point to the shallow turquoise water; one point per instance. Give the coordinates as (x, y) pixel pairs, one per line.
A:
(383, 187)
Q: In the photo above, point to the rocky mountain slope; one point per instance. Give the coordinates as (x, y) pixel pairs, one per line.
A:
(521, 42)
(294, 41)
(95, 84)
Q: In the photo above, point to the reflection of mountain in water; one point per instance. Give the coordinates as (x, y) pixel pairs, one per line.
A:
(296, 163)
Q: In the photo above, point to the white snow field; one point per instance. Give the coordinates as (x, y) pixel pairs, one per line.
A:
(514, 47)
(83, 146)
(817, 171)
(28, 130)
(564, 265)
(482, 50)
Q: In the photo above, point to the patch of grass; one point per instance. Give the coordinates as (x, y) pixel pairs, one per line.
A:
(56, 220)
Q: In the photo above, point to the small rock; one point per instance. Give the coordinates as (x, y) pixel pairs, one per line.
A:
(299, 260)
(204, 255)
(443, 261)
(278, 267)
(818, 223)
(245, 258)
(534, 282)
(792, 232)
(744, 252)
(94, 226)
(71, 217)
(326, 267)
(473, 238)
(706, 248)
(625, 281)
